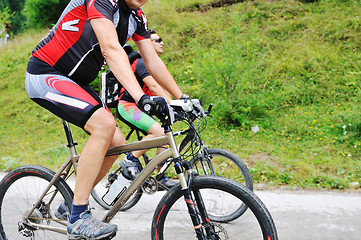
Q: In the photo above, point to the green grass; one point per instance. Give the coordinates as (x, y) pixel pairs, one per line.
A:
(290, 68)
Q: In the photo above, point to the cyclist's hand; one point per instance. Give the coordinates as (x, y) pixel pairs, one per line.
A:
(198, 107)
(154, 105)
(184, 97)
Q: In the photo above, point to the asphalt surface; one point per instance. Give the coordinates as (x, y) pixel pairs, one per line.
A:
(304, 215)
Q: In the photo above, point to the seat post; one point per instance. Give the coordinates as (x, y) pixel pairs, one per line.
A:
(69, 137)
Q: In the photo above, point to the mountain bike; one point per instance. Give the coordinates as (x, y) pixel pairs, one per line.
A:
(30, 195)
(203, 159)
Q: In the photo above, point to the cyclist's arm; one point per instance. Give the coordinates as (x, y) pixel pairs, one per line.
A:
(115, 56)
(157, 68)
(156, 89)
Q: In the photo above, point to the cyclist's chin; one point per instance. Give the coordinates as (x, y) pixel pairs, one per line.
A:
(134, 4)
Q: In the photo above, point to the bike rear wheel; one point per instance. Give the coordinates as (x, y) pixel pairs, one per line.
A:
(171, 219)
(19, 191)
(220, 162)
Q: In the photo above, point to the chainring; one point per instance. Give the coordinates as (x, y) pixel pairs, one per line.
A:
(150, 185)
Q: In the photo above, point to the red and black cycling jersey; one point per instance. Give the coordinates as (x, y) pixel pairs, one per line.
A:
(140, 72)
(71, 46)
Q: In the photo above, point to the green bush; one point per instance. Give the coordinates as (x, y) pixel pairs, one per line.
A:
(15, 20)
(43, 13)
(5, 21)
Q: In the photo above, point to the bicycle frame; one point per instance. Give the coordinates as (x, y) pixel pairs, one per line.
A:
(72, 160)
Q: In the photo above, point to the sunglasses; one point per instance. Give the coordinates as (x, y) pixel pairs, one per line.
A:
(157, 40)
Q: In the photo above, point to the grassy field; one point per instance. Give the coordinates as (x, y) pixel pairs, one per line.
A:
(289, 67)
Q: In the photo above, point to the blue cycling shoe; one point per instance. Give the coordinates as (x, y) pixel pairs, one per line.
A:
(165, 183)
(131, 166)
(87, 227)
(62, 212)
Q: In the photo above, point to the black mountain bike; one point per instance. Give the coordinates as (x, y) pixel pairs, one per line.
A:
(205, 160)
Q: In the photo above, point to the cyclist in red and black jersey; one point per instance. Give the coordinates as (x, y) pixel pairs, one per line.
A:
(62, 65)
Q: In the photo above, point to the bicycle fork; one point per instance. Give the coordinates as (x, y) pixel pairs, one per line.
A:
(197, 210)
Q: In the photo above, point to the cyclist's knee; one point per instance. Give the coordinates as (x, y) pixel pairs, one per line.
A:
(118, 138)
(101, 123)
(156, 130)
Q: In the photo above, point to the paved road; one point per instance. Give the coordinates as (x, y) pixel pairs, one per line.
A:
(303, 215)
(315, 215)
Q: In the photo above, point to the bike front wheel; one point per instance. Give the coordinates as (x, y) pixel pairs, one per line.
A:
(19, 191)
(171, 219)
(220, 162)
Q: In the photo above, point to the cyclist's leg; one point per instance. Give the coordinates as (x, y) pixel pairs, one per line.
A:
(79, 105)
(129, 113)
(118, 140)
(101, 127)
(103, 182)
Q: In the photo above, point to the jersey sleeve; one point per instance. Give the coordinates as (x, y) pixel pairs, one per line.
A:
(100, 9)
(142, 25)
(141, 71)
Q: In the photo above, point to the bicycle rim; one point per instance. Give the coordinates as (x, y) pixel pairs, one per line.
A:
(223, 163)
(172, 221)
(19, 191)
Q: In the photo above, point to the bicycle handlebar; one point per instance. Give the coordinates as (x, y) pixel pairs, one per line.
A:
(183, 110)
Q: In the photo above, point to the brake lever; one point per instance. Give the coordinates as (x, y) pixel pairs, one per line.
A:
(209, 109)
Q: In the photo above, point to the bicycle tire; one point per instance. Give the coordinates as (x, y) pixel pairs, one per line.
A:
(223, 163)
(19, 190)
(171, 219)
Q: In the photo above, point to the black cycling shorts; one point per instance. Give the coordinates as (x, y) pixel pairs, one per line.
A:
(59, 94)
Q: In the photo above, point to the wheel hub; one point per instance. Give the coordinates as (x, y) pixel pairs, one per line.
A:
(35, 217)
(25, 228)
(219, 232)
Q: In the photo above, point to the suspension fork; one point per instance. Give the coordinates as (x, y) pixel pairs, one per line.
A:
(193, 208)
(207, 161)
(186, 189)
(203, 213)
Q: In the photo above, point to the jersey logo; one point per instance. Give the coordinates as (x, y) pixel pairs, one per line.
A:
(68, 26)
(114, 2)
(90, 3)
(140, 17)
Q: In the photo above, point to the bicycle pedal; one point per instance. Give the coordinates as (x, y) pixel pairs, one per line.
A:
(162, 187)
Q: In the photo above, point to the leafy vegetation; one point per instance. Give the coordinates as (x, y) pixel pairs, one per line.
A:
(14, 18)
(290, 68)
(19, 15)
(5, 21)
(42, 13)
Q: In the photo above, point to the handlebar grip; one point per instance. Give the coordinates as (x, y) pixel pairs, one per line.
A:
(210, 108)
